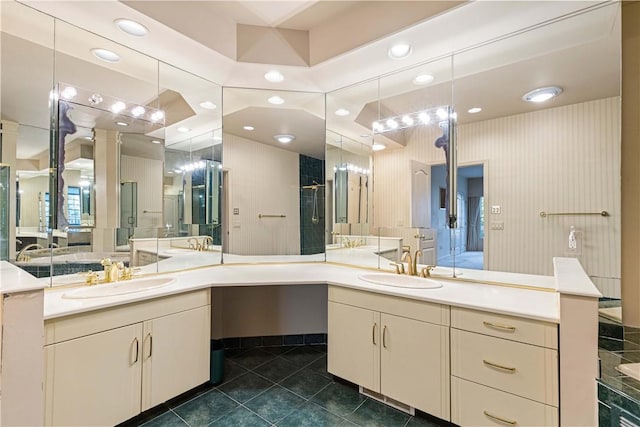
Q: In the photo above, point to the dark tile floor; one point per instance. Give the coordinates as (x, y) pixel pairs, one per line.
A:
(283, 386)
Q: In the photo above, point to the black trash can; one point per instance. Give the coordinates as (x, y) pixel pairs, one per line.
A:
(217, 362)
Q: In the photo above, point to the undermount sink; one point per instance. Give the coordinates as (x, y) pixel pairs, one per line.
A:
(400, 281)
(119, 288)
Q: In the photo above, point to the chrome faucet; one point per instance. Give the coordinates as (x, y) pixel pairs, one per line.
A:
(21, 255)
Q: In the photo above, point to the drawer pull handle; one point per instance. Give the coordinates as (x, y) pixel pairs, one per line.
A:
(384, 336)
(500, 419)
(501, 367)
(498, 326)
(373, 333)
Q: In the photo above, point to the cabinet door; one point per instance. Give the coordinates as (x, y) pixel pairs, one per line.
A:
(175, 354)
(94, 380)
(353, 344)
(415, 364)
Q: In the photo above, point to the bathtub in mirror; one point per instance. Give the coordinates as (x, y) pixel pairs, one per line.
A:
(274, 177)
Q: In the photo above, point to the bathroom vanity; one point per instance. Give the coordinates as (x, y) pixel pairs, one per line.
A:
(472, 351)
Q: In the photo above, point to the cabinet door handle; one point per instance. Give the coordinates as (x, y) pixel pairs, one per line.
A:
(384, 336)
(135, 341)
(501, 367)
(500, 419)
(150, 337)
(373, 333)
(498, 326)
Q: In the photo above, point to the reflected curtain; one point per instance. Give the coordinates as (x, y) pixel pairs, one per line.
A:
(473, 233)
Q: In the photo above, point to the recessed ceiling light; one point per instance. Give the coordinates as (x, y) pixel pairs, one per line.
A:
(377, 146)
(284, 139)
(400, 50)
(122, 124)
(423, 79)
(542, 94)
(474, 110)
(274, 76)
(208, 105)
(132, 28)
(341, 112)
(106, 55)
(118, 106)
(275, 100)
(183, 129)
(155, 141)
(248, 127)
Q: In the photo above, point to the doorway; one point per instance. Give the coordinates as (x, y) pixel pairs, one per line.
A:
(463, 246)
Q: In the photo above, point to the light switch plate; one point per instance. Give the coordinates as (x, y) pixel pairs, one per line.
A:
(497, 225)
(495, 209)
(236, 211)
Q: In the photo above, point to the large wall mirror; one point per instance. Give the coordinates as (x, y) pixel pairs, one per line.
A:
(523, 194)
(274, 177)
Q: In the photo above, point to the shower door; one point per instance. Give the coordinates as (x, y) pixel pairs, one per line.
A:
(4, 212)
(128, 212)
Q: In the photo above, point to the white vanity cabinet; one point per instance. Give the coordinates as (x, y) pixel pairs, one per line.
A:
(395, 348)
(106, 366)
(504, 370)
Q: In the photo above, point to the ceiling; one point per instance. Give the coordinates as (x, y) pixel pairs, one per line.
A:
(232, 42)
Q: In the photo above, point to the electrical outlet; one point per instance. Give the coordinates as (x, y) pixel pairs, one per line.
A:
(236, 211)
(497, 225)
(495, 209)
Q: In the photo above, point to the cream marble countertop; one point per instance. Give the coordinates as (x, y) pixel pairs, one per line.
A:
(529, 303)
(15, 279)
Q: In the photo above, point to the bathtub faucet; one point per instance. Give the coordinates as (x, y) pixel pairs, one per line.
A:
(22, 256)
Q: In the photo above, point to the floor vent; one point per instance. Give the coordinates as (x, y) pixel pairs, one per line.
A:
(389, 401)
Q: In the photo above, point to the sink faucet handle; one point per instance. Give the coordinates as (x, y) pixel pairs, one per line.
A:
(399, 267)
(426, 271)
(92, 278)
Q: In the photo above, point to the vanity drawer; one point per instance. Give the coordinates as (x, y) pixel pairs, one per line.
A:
(535, 332)
(476, 405)
(526, 370)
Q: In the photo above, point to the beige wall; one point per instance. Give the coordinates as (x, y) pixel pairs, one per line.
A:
(564, 159)
(631, 163)
(262, 179)
(31, 189)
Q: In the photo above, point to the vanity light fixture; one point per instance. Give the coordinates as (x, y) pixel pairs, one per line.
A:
(542, 94)
(131, 27)
(105, 55)
(422, 79)
(122, 124)
(137, 111)
(474, 110)
(155, 141)
(418, 118)
(274, 76)
(69, 93)
(400, 50)
(118, 107)
(183, 129)
(342, 112)
(248, 127)
(378, 146)
(156, 116)
(208, 105)
(275, 100)
(284, 139)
